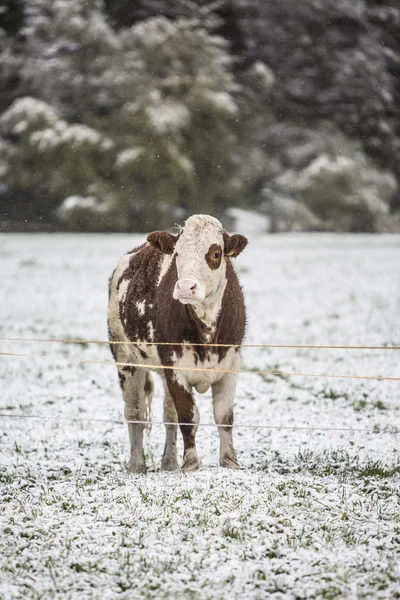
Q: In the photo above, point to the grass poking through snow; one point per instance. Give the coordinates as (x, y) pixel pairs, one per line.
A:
(313, 514)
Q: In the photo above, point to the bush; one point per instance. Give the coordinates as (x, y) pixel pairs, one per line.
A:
(330, 176)
(346, 194)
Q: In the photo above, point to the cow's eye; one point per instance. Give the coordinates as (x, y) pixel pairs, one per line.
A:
(216, 255)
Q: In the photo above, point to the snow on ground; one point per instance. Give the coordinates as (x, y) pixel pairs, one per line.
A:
(313, 513)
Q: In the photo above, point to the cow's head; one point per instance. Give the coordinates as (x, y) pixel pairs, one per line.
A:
(202, 249)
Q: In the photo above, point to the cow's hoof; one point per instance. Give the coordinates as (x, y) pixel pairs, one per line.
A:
(188, 467)
(136, 466)
(190, 461)
(229, 462)
(169, 464)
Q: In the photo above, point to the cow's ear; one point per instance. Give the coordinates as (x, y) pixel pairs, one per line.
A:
(234, 244)
(162, 241)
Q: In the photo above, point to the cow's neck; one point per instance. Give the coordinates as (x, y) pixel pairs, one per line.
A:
(209, 310)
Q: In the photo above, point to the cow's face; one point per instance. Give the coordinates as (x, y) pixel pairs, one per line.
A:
(200, 252)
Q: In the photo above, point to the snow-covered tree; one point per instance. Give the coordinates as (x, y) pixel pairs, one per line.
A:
(11, 19)
(176, 133)
(141, 120)
(70, 54)
(345, 193)
(48, 158)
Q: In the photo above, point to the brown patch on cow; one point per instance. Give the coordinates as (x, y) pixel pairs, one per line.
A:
(130, 270)
(143, 353)
(163, 241)
(234, 244)
(142, 273)
(214, 256)
(231, 323)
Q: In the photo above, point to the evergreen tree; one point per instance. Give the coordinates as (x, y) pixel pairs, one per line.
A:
(70, 56)
(141, 122)
(177, 133)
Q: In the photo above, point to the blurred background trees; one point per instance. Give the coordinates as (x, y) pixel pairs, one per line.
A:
(127, 116)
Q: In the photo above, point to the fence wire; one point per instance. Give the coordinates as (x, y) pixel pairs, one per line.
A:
(211, 345)
(208, 369)
(392, 431)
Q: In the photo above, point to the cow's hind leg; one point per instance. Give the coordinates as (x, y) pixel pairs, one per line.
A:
(137, 390)
(169, 460)
(188, 414)
(223, 392)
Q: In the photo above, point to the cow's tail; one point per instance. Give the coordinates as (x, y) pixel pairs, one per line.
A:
(148, 397)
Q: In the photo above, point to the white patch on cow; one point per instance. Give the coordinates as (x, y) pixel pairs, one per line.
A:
(165, 265)
(122, 290)
(152, 355)
(223, 402)
(115, 326)
(200, 379)
(181, 379)
(203, 387)
(196, 237)
(150, 330)
(209, 311)
(122, 265)
(140, 307)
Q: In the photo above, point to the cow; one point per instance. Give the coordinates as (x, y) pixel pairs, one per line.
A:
(179, 289)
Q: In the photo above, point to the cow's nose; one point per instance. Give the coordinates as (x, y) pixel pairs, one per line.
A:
(186, 288)
(189, 290)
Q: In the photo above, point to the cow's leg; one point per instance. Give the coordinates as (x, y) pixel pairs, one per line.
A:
(187, 412)
(137, 388)
(169, 460)
(223, 392)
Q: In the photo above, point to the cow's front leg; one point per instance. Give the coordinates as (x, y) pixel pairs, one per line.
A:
(136, 385)
(223, 393)
(169, 460)
(187, 412)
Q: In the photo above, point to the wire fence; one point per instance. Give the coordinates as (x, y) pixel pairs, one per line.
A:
(208, 369)
(392, 430)
(210, 345)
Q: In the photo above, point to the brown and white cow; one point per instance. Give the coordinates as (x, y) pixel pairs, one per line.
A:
(179, 289)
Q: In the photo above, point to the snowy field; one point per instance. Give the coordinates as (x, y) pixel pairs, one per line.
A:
(314, 512)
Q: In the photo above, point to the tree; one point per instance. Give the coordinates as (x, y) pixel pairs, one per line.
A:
(177, 134)
(71, 57)
(165, 149)
(48, 158)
